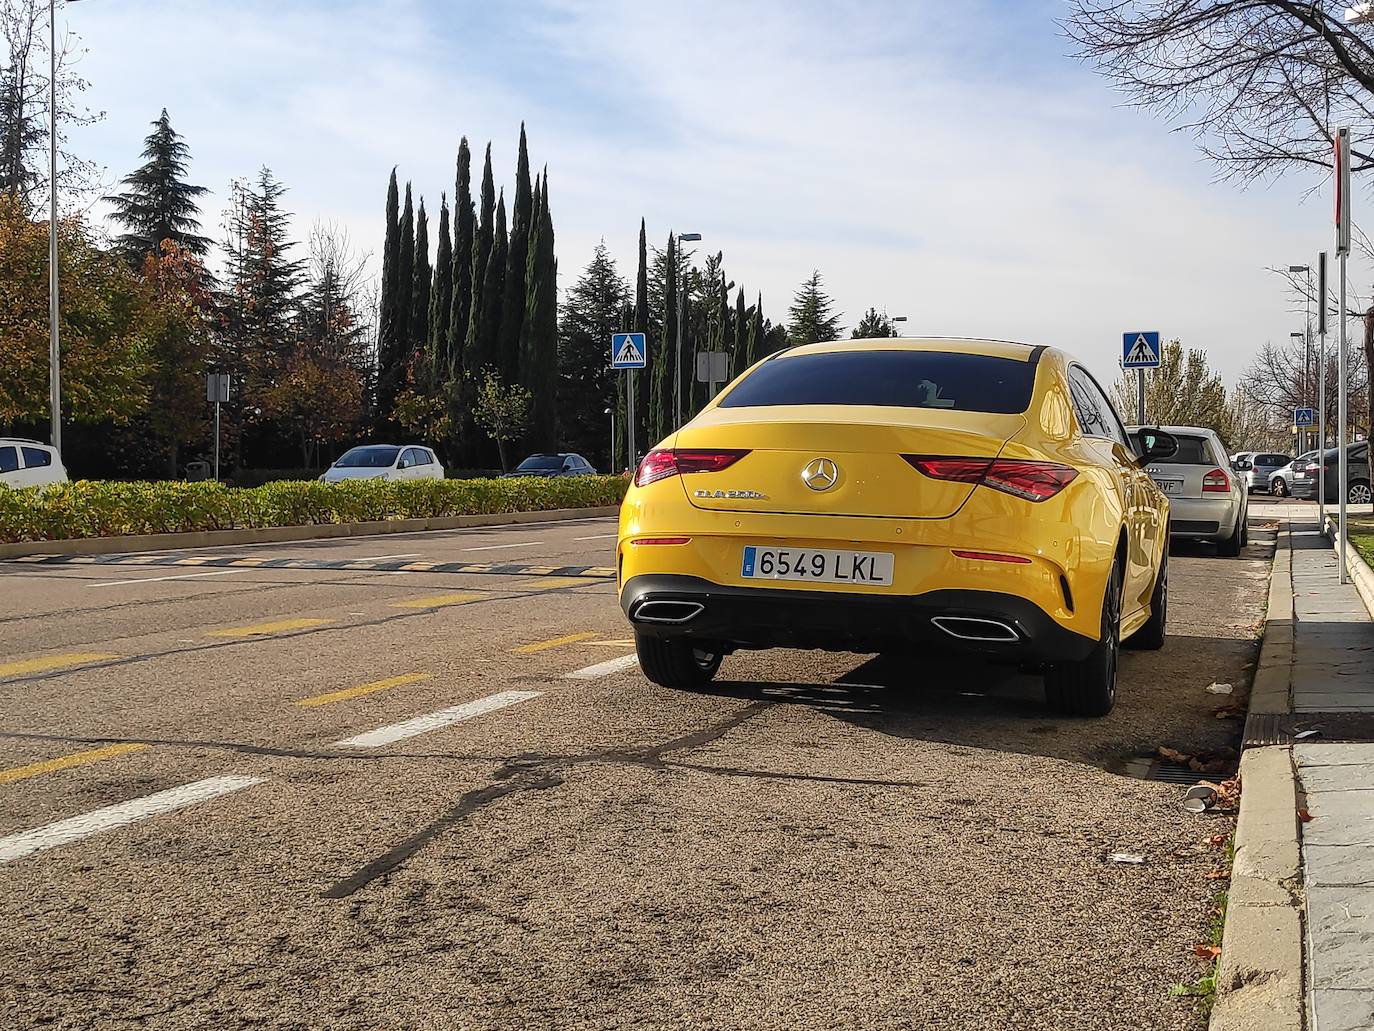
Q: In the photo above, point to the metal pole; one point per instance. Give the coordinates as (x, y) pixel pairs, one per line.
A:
(612, 465)
(1342, 474)
(1140, 397)
(630, 423)
(677, 362)
(54, 344)
(1307, 344)
(217, 441)
(1321, 390)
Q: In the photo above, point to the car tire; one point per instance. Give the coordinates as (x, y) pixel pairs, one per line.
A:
(1230, 547)
(1279, 488)
(1088, 687)
(1358, 493)
(1150, 637)
(678, 664)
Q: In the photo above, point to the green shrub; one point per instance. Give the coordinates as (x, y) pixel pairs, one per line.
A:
(100, 508)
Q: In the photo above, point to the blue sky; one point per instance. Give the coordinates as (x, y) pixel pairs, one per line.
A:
(945, 161)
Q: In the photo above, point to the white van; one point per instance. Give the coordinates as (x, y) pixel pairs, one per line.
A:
(29, 463)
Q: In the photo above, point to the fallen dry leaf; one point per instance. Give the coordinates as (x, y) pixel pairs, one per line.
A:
(1173, 755)
(1216, 875)
(1304, 816)
(1205, 951)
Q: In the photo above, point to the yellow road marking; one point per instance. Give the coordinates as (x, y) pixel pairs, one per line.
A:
(613, 644)
(254, 561)
(13, 669)
(362, 689)
(94, 755)
(549, 583)
(280, 626)
(438, 601)
(555, 642)
(198, 560)
(418, 567)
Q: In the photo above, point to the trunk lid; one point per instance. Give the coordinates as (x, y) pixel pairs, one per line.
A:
(864, 446)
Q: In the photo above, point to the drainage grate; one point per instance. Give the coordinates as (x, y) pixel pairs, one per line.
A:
(1148, 767)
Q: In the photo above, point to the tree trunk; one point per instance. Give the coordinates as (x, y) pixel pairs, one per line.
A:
(501, 449)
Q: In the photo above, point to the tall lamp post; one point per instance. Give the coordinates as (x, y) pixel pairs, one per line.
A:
(894, 320)
(1302, 392)
(1307, 341)
(682, 303)
(54, 341)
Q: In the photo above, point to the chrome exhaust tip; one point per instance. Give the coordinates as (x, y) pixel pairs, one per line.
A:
(666, 612)
(967, 628)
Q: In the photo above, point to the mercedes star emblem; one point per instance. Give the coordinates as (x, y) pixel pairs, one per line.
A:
(821, 474)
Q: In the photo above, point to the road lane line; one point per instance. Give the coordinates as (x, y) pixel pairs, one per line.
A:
(552, 583)
(258, 629)
(436, 602)
(159, 579)
(603, 669)
(597, 537)
(64, 832)
(553, 642)
(50, 662)
(613, 644)
(498, 547)
(93, 755)
(434, 720)
(362, 689)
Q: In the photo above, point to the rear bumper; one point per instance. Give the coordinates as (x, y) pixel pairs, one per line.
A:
(752, 617)
(1203, 519)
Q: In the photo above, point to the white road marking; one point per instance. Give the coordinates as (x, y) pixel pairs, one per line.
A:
(603, 669)
(597, 537)
(498, 547)
(434, 720)
(158, 579)
(64, 832)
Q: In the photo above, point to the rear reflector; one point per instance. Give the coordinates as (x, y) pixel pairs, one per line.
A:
(661, 540)
(1216, 482)
(664, 462)
(1028, 480)
(992, 556)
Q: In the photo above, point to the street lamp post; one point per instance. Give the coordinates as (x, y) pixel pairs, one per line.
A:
(1302, 395)
(1307, 391)
(682, 303)
(611, 413)
(895, 319)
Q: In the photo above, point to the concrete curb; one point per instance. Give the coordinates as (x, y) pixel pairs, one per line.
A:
(1260, 973)
(1360, 573)
(288, 534)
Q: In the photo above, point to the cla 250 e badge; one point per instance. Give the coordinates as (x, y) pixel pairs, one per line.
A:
(731, 495)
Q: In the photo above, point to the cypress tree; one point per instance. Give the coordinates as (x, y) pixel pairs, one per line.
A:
(755, 339)
(387, 348)
(661, 414)
(420, 285)
(405, 279)
(486, 313)
(441, 298)
(463, 226)
(473, 355)
(541, 325)
(515, 302)
(641, 325)
(741, 335)
(159, 204)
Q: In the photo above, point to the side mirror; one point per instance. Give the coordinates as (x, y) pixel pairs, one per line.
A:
(1155, 445)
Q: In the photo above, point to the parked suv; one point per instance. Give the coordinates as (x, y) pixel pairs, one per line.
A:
(1257, 468)
(28, 463)
(1357, 461)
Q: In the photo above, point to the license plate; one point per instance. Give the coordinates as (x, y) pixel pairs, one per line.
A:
(1170, 486)
(818, 565)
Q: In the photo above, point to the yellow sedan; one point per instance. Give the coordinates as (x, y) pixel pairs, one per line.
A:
(902, 495)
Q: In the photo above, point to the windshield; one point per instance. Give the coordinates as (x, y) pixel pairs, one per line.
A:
(541, 463)
(379, 456)
(892, 379)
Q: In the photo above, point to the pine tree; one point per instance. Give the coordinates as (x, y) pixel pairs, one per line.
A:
(486, 313)
(159, 204)
(811, 318)
(463, 227)
(541, 322)
(661, 413)
(474, 355)
(515, 302)
(592, 310)
(405, 287)
(873, 325)
(388, 345)
(421, 283)
(441, 303)
(268, 280)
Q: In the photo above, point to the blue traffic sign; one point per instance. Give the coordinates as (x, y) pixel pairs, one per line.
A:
(1304, 417)
(1140, 350)
(629, 351)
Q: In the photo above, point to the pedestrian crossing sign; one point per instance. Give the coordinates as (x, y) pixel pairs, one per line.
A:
(1140, 350)
(628, 351)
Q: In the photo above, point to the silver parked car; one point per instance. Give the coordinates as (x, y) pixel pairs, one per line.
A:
(1257, 468)
(1207, 498)
(1281, 482)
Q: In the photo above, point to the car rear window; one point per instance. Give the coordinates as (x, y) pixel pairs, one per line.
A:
(1192, 451)
(36, 458)
(890, 379)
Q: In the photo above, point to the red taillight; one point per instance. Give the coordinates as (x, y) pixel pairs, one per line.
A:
(661, 540)
(992, 556)
(665, 462)
(1216, 482)
(1029, 480)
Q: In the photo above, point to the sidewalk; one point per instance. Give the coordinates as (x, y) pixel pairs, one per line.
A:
(1333, 681)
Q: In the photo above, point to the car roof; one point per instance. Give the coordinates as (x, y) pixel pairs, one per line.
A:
(28, 441)
(953, 345)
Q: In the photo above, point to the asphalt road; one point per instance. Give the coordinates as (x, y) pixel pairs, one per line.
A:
(263, 796)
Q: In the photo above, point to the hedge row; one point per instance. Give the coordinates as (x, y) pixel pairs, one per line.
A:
(98, 508)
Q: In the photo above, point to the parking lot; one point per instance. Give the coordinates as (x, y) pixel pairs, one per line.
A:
(304, 785)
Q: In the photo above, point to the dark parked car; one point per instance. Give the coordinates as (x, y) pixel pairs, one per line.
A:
(1357, 468)
(562, 464)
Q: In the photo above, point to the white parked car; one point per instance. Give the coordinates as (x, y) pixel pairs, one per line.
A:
(385, 462)
(27, 463)
(1208, 498)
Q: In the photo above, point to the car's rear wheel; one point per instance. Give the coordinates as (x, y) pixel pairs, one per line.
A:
(1151, 635)
(1088, 687)
(1230, 547)
(1279, 487)
(1359, 493)
(678, 664)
